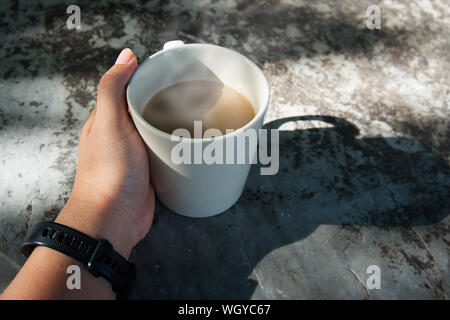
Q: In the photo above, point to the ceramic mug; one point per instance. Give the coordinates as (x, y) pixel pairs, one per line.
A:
(196, 189)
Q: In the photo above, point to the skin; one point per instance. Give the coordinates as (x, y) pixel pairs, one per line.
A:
(112, 197)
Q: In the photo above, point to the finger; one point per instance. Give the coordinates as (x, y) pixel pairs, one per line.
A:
(88, 125)
(111, 102)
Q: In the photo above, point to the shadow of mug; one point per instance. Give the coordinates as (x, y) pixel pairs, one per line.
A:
(327, 176)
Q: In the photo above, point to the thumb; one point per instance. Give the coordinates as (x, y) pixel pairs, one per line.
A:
(111, 100)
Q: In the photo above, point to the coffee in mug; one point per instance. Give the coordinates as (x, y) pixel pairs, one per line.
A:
(218, 106)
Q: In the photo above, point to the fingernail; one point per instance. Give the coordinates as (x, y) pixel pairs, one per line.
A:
(125, 57)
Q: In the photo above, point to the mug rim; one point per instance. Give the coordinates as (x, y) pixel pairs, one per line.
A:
(164, 134)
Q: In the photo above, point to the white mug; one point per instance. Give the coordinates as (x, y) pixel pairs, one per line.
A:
(196, 190)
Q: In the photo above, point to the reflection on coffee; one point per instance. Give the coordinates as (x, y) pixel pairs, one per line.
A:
(216, 105)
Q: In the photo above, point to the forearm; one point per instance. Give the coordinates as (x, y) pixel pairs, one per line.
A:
(44, 275)
(112, 197)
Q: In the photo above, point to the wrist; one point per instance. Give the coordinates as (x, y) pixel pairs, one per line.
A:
(100, 221)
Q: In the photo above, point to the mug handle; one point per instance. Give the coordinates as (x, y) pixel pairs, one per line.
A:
(172, 44)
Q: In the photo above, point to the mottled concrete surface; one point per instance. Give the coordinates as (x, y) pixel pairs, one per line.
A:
(364, 148)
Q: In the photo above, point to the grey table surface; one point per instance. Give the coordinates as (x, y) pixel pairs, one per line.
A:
(364, 121)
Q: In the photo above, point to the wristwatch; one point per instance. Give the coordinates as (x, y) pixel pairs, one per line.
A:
(98, 256)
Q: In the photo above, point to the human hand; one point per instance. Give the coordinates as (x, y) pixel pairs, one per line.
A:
(112, 197)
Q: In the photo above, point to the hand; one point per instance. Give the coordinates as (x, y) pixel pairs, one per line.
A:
(112, 197)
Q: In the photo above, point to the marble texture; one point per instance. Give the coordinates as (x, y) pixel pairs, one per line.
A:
(364, 143)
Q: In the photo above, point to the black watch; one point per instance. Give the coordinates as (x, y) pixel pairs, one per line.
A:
(98, 256)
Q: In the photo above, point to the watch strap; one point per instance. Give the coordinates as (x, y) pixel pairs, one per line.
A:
(99, 257)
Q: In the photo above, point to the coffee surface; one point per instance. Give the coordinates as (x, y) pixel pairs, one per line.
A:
(216, 105)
